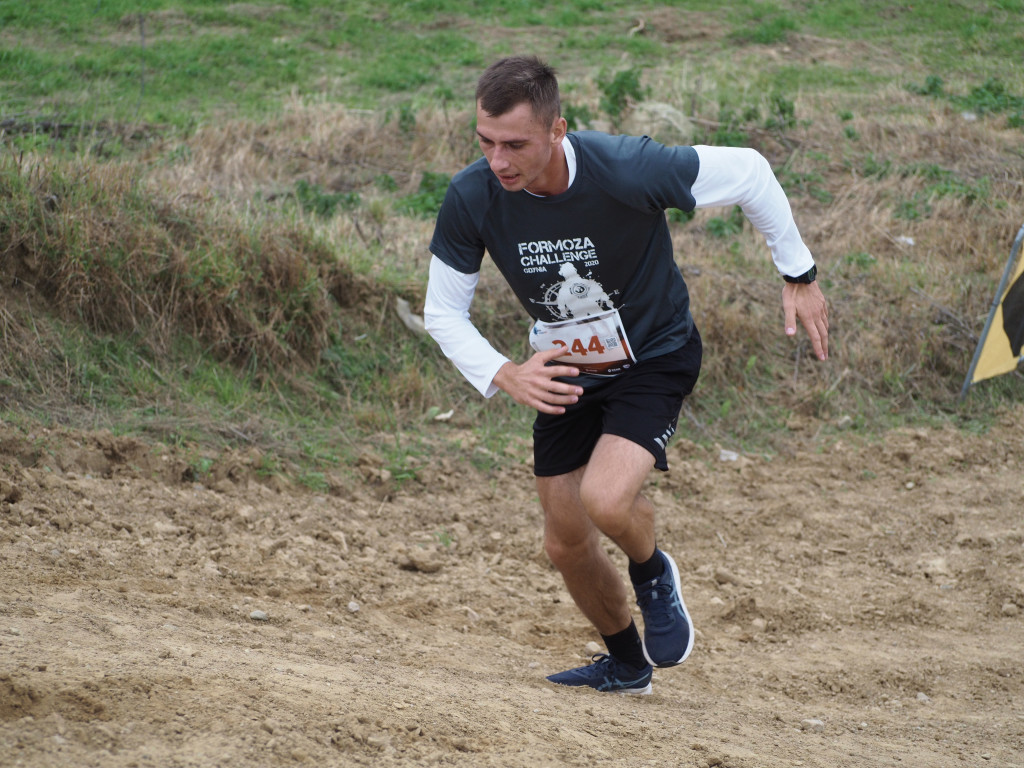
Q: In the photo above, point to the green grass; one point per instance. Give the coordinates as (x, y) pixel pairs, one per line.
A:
(180, 63)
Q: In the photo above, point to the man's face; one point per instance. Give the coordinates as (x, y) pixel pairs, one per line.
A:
(521, 150)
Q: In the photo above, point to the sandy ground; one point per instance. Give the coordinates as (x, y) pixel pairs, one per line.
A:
(858, 603)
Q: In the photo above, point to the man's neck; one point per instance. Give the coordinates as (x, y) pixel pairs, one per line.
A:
(555, 180)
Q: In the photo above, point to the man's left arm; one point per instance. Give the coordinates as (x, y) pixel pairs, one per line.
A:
(743, 177)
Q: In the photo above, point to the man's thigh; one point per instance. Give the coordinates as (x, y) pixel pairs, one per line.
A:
(617, 470)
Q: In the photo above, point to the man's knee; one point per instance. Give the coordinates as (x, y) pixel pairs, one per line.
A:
(558, 552)
(567, 552)
(606, 508)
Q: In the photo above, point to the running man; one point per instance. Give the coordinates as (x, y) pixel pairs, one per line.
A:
(577, 220)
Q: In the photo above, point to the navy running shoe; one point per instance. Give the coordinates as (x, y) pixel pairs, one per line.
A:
(607, 673)
(668, 630)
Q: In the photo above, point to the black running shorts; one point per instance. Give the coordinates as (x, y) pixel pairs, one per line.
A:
(641, 405)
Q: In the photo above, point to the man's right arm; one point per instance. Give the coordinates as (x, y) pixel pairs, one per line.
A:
(446, 315)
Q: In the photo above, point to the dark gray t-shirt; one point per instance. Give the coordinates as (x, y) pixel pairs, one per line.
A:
(602, 244)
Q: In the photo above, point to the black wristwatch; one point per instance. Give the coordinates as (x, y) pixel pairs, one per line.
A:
(806, 277)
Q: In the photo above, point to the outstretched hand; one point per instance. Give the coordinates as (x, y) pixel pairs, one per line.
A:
(533, 383)
(805, 301)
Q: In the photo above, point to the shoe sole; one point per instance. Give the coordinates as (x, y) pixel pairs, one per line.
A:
(686, 614)
(646, 691)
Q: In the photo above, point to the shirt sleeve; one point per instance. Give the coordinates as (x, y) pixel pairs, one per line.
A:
(742, 176)
(446, 316)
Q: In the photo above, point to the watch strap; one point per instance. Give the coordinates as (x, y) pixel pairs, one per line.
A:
(807, 277)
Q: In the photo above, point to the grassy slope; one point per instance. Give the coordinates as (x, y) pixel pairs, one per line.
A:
(226, 109)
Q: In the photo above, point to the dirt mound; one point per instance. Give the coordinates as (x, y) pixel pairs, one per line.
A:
(857, 603)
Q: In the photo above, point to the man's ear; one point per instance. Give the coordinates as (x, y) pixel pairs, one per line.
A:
(558, 130)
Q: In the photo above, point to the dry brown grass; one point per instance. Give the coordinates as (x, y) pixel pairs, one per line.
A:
(337, 148)
(102, 249)
(908, 296)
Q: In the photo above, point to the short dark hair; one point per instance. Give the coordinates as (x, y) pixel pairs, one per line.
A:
(511, 81)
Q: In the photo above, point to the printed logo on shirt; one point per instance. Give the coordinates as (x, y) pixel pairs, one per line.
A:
(575, 296)
(538, 255)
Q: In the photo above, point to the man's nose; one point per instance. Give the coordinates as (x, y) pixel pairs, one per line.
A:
(499, 158)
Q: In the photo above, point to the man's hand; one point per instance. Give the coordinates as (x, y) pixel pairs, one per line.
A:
(805, 301)
(533, 383)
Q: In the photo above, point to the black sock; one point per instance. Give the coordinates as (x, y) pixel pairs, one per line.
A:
(626, 646)
(641, 573)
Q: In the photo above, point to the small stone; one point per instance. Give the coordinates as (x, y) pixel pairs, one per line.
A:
(813, 725)
(934, 567)
(1010, 609)
(379, 740)
(759, 624)
(725, 576)
(923, 697)
(259, 616)
(353, 606)
(424, 561)
(592, 648)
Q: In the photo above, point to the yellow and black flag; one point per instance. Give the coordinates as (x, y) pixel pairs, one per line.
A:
(999, 348)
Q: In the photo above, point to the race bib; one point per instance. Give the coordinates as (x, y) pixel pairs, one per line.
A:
(596, 344)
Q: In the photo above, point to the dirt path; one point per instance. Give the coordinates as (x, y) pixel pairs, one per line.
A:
(858, 604)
